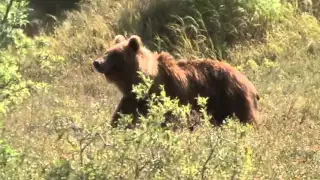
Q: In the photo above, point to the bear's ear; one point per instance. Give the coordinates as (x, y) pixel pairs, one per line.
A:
(135, 43)
(119, 38)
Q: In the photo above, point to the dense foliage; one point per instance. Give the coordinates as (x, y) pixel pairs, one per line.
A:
(55, 111)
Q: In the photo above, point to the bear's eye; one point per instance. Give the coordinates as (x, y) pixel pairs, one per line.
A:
(115, 56)
(117, 60)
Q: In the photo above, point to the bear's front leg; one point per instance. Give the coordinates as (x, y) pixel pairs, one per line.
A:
(128, 106)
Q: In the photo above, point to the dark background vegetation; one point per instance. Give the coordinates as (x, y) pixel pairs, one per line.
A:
(55, 110)
(47, 12)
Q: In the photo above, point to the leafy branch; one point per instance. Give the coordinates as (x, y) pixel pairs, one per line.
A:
(7, 12)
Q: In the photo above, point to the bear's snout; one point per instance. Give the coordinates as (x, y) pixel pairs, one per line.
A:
(97, 64)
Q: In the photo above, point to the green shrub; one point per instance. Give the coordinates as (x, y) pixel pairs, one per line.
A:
(23, 60)
(73, 112)
(150, 152)
(13, 16)
(17, 80)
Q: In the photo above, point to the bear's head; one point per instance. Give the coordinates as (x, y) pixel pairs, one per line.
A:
(120, 62)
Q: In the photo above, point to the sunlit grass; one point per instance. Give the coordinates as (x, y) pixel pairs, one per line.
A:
(64, 131)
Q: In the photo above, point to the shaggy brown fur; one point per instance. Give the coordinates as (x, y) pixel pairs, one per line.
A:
(228, 90)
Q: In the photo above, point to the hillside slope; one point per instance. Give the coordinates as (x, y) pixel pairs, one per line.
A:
(62, 129)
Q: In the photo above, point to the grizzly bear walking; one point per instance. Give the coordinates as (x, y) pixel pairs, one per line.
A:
(228, 90)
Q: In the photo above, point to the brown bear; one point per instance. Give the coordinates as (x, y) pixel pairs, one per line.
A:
(229, 92)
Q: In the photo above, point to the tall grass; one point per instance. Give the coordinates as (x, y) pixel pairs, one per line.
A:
(63, 131)
(223, 23)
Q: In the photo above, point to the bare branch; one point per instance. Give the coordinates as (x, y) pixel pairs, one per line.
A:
(204, 167)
